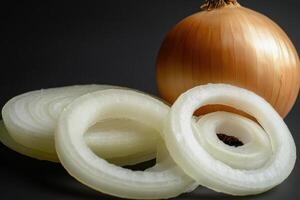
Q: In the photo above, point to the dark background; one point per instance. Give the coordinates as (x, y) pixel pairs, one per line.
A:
(113, 42)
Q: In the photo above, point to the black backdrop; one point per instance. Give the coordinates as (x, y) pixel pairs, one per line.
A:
(56, 43)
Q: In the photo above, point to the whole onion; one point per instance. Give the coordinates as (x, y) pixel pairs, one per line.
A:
(228, 43)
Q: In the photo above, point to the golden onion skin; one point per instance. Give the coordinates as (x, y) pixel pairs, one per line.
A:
(233, 45)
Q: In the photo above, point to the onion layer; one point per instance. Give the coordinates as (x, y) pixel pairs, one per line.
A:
(8, 141)
(31, 119)
(190, 152)
(121, 142)
(162, 181)
(255, 147)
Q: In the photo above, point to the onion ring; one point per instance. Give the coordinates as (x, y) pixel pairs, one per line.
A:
(122, 142)
(256, 147)
(9, 142)
(31, 119)
(95, 172)
(188, 152)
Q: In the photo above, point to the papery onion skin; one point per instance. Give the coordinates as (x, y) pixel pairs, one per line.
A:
(233, 45)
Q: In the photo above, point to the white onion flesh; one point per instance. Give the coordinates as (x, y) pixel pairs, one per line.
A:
(254, 152)
(121, 137)
(190, 152)
(8, 141)
(31, 119)
(125, 135)
(161, 181)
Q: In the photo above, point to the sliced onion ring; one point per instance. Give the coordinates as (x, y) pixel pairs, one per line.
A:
(97, 173)
(122, 141)
(8, 141)
(188, 152)
(32, 117)
(254, 152)
(120, 138)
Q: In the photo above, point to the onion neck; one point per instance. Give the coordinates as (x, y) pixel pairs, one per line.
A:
(214, 4)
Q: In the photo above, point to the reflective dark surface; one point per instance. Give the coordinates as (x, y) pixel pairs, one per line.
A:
(114, 42)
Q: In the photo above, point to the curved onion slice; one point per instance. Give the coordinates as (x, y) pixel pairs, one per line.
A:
(121, 142)
(164, 182)
(189, 153)
(121, 137)
(31, 119)
(8, 141)
(254, 152)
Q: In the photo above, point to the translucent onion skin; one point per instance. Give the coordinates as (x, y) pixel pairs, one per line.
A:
(164, 180)
(233, 45)
(191, 154)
